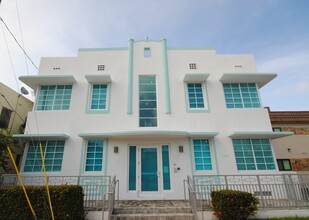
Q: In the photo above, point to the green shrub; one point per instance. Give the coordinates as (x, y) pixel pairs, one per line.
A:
(233, 205)
(67, 202)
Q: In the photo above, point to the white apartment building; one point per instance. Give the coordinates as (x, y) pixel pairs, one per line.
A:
(151, 115)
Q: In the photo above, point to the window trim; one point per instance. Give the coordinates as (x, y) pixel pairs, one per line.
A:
(104, 152)
(89, 99)
(205, 98)
(7, 122)
(212, 155)
(147, 52)
(47, 110)
(241, 95)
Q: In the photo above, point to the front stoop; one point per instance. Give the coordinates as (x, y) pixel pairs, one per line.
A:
(152, 210)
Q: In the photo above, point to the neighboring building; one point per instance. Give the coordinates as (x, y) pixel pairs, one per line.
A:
(292, 152)
(13, 113)
(151, 115)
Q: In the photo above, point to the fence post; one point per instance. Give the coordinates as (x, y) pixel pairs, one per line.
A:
(261, 191)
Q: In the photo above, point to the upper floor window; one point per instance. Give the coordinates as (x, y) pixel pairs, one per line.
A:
(147, 52)
(253, 154)
(241, 95)
(5, 117)
(52, 152)
(99, 97)
(147, 101)
(94, 156)
(277, 129)
(56, 97)
(202, 155)
(195, 95)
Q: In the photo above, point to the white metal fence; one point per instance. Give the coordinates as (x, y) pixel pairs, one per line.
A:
(274, 191)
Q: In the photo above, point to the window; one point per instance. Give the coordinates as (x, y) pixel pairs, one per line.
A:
(277, 129)
(52, 152)
(56, 97)
(192, 66)
(284, 164)
(5, 117)
(147, 52)
(253, 154)
(147, 101)
(241, 95)
(101, 67)
(195, 96)
(99, 97)
(94, 158)
(202, 154)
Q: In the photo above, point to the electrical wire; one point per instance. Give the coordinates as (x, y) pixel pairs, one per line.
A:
(18, 43)
(22, 37)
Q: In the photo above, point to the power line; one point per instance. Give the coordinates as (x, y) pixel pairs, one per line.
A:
(22, 37)
(18, 43)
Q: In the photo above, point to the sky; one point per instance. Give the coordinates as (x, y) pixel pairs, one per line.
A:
(276, 32)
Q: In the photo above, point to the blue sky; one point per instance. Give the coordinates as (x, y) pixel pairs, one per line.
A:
(276, 32)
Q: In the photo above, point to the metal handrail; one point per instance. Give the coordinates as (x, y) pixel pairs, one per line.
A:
(111, 197)
(193, 196)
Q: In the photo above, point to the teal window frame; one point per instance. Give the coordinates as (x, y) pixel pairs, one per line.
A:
(194, 96)
(54, 97)
(202, 155)
(132, 168)
(94, 156)
(99, 96)
(254, 154)
(52, 152)
(241, 95)
(166, 168)
(147, 101)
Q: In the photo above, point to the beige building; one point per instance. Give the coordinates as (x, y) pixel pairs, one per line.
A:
(13, 113)
(292, 152)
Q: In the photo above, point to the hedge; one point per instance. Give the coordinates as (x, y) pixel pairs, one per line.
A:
(233, 204)
(67, 202)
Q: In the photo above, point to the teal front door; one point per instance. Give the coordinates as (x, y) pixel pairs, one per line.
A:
(149, 170)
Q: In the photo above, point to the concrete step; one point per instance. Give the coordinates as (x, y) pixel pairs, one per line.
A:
(151, 210)
(161, 216)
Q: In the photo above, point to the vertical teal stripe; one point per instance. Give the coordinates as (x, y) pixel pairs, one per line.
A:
(191, 156)
(130, 78)
(166, 79)
(166, 168)
(132, 168)
(215, 154)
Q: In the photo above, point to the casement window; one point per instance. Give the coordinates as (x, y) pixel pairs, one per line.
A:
(147, 52)
(99, 97)
(147, 101)
(5, 117)
(253, 154)
(241, 95)
(196, 97)
(94, 155)
(284, 164)
(55, 97)
(202, 156)
(52, 152)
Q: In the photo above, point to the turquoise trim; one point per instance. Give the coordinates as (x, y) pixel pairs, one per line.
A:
(149, 132)
(166, 78)
(207, 96)
(82, 158)
(108, 101)
(106, 156)
(102, 49)
(27, 137)
(130, 78)
(191, 156)
(215, 154)
(206, 101)
(191, 48)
